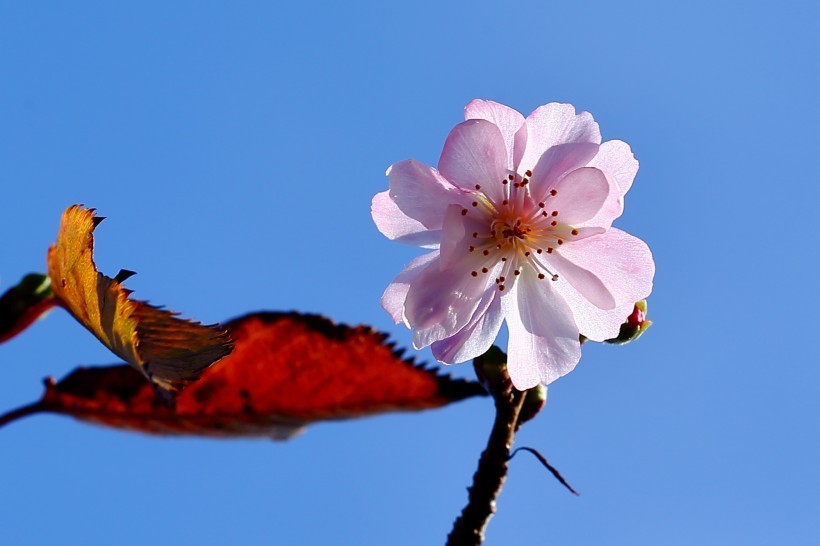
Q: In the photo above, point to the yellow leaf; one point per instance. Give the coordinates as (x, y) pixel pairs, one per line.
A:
(167, 350)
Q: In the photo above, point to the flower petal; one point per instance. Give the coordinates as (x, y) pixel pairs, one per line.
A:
(397, 226)
(621, 261)
(615, 159)
(554, 124)
(475, 338)
(475, 154)
(556, 163)
(396, 292)
(583, 280)
(441, 301)
(544, 342)
(580, 195)
(593, 322)
(421, 192)
(510, 122)
(457, 236)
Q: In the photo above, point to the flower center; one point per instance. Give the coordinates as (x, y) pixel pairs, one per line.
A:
(520, 233)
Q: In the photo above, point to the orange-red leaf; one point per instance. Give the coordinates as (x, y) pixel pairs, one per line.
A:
(167, 350)
(287, 370)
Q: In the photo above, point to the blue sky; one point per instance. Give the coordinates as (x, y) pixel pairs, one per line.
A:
(235, 148)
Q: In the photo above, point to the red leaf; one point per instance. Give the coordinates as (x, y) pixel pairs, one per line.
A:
(287, 370)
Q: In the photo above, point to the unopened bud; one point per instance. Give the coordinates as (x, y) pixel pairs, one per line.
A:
(491, 370)
(534, 401)
(23, 304)
(636, 324)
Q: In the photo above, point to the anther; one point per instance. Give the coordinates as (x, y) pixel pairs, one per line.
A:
(475, 203)
(511, 177)
(478, 186)
(527, 253)
(575, 232)
(504, 181)
(528, 173)
(486, 252)
(516, 272)
(525, 182)
(505, 202)
(474, 273)
(501, 287)
(539, 251)
(560, 242)
(541, 204)
(554, 223)
(502, 279)
(503, 259)
(540, 275)
(475, 235)
(484, 269)
(555, 213)
(555, 277)
(553, 192)
(549, 250)
(472, 248)
(464, 212)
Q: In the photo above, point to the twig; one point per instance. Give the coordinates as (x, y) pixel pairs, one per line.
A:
(19, 413)
(468, 529)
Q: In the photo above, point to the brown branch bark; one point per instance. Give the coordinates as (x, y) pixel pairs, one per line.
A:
(468, 529)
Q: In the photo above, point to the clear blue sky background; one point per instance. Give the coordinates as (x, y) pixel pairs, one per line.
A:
(235, 147)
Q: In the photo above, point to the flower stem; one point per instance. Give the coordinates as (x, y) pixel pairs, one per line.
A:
(468, 529)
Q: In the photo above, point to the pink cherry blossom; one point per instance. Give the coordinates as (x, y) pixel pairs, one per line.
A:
(518, 219)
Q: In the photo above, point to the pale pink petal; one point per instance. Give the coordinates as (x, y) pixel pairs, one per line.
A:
(554, 124)
(621, 261)
(543, 344)
(556, 163)
(457, 235)
(396, 292)
(615, 159)
(583, 280)
(421, 192)
(510, 122)
(593, 322)
(475, 338)
(397, 226)
(440, 302)
(475, 155)
(580, 195)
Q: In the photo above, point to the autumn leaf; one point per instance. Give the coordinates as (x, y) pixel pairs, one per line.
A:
(287, 370)
(169, 351)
